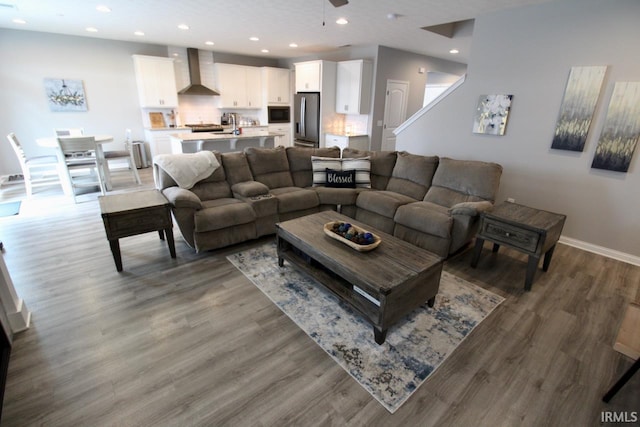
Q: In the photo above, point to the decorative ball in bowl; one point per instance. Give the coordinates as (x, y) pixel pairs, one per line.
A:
(352, 235)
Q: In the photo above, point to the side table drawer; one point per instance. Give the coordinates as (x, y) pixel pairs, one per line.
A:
(516, 237)
(136, 223)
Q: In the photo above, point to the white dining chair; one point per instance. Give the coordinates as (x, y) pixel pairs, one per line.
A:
(126, 154)
(78, 154)
(37, 170)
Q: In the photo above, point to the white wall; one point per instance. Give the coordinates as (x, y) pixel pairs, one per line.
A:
(105, 67)
(528, 52)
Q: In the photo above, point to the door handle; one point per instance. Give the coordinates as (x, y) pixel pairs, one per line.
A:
(303, 113)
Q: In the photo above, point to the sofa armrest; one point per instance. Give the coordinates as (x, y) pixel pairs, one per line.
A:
(249, 189)
(470, 208)
(181, 198)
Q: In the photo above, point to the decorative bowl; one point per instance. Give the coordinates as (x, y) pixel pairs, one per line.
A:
(328, 230)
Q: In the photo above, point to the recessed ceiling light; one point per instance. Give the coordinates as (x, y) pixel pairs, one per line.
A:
(102, 8)
(19, 21)
(183, 26)
(209, 43)
(139, 33)
(293, 45)
(265, 51)
(254, 39)
(454, 51)
(342, 21)
(92, 29)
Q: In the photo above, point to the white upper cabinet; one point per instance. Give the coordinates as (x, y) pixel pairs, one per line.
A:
(240, 86)
(353, 86)
(253, 76)
(155, 77)
(276, 85)
(308, 76)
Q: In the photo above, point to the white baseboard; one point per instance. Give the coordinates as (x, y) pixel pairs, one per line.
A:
(600, 250)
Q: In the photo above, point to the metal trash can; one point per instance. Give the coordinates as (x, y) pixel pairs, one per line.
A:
(140, 154)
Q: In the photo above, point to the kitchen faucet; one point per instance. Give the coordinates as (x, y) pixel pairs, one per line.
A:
(233, 123)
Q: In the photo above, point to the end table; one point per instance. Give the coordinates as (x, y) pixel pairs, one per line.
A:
(529, 230)
(134, 213)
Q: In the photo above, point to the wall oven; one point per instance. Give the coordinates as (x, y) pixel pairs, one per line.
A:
(278, 114)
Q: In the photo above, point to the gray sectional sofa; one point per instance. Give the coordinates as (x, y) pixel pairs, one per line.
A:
(431, 202)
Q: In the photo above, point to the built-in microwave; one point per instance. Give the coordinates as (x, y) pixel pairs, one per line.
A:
(279, 114)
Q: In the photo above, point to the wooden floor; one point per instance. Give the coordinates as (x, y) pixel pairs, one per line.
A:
(190, 341)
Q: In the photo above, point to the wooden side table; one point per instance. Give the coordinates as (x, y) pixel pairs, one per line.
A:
(529, 230)
(134, 213)
(627, 343)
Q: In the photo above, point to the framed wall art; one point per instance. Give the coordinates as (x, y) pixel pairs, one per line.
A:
(492, 114)
(65, 95)
(577, 108)
(621, 129)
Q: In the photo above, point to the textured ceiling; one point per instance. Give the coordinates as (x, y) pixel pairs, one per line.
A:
(277, 23)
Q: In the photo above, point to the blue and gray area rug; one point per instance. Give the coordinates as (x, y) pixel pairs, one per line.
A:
(414, 348)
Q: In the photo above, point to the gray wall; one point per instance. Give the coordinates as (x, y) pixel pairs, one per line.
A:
(105, 67)
(397, 64)
(388, 63)
(528, 52)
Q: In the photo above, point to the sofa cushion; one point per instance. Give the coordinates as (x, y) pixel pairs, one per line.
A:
(300, 162)
(250, 189)
(382, 163)
(222, 213)
(269, 166)
(292, 199)
(383, 203)
(426, 217)
(457, 181)
(236, 167)
(412, 174)
(211, 190)
(320, 165)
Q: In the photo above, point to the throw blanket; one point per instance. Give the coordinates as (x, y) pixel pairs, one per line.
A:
(187, 169)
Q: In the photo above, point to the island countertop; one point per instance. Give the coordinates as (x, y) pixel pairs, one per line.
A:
(221, 141)
(205, 136)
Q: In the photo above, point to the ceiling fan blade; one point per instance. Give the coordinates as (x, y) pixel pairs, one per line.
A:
(338, 3)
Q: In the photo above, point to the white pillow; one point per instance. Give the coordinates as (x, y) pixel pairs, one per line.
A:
(320, 165)
(362, 167)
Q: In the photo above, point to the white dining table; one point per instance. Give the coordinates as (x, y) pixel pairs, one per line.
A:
(52, 142)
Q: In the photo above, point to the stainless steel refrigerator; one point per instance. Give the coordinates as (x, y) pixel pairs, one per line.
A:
(306, 119)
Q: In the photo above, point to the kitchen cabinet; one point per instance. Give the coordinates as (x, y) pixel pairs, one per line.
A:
(360, 142)
(239, 86)
(276, 85)
(308, 76)
(284, 128)
(160, 141)
(254, 130)
(156, 81)
(353, 86)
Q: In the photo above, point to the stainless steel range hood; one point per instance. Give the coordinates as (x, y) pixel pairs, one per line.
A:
(196, 87)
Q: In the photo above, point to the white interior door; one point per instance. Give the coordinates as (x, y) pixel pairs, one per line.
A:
(395, 111)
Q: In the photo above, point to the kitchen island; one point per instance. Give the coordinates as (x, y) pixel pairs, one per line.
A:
(220, 141)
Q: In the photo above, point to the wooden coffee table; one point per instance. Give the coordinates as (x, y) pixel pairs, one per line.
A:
(128, 214)
(383, 285)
